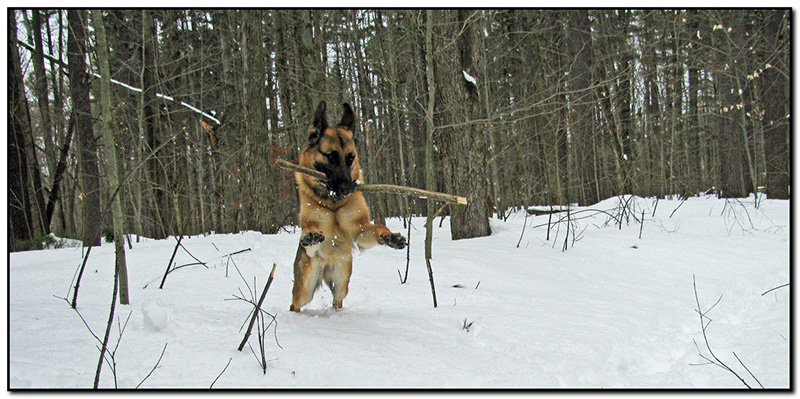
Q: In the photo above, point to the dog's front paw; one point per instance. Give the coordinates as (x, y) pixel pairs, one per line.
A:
(394, 240)
(311, 238)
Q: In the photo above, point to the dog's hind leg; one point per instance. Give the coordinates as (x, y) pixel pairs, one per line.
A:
(306, 280)
(340, 276)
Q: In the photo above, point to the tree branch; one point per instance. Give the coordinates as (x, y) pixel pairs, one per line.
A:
(380, 188)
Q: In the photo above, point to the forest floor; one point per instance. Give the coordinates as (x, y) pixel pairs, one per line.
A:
(613, 310)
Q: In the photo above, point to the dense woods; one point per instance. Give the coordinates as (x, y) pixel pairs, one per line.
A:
(506, 107)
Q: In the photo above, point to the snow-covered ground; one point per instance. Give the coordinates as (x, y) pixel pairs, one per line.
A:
(612, 310)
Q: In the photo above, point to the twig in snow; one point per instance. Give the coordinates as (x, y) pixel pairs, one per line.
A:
(188, 264)
(154, 367)
(194, 257)
(113, 362)
(703, 327)
(748, 370)
(108, 332)
(112, 354)
(524, 223)
(166, 272)
(198, 261)
(408, 252)
(746, 212)
(773, 289)
(626, 211)
(578, 236)
(220, 374)
(679, 207)
(260, 316)
(237, 252)
(235, 266)
(430, 277)
(466, 326)
(258, 307)
(641, 226)
(566, 237)
(78, 281)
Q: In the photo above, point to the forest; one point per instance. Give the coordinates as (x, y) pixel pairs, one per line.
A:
(168, 122)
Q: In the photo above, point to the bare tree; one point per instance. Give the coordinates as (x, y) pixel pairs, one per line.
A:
(111, 156)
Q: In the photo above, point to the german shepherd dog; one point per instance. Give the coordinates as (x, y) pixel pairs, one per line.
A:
(333, 215)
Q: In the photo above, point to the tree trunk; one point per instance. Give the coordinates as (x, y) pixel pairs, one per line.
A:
(150, 120)
(731, 147)
(464, 144)
(19, 214)
(59, 172)
(114, 189)
(775, 120)
(79, 89)
(431, 101)
(40, 86)
(580, 51)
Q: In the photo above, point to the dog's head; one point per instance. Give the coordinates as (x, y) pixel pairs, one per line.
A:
(332, 151)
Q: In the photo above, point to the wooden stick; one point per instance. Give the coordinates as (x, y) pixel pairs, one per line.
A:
(80, 274)
(257, 309)
(175, 251)
(379, 188)
(430, 277)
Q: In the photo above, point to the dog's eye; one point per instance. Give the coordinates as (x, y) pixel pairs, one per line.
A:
(350, 158)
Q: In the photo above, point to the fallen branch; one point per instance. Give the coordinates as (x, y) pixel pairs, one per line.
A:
(539, 212)
(237, 252)
(380, 188)
(773, 289)
(258, 307)
(220, 374)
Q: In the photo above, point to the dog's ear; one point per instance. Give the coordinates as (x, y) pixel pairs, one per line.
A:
(348, 117)
(319, 125)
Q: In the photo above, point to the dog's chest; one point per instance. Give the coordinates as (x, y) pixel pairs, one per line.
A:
(338, 243)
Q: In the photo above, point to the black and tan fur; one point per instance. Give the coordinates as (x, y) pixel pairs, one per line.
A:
(334, 217)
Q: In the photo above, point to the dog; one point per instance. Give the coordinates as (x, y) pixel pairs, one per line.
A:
(333, 216)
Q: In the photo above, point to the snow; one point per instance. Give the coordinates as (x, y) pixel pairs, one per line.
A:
(612, 310)
(548, 208)
(470, 78)
(164, 96)
(154, 315)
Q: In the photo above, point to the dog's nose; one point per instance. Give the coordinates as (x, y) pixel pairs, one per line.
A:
(347, 188)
